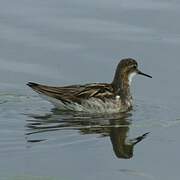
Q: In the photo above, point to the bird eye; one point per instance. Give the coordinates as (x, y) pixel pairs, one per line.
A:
(135, 66)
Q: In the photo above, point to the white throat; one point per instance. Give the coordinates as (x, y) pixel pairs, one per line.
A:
(131, 77)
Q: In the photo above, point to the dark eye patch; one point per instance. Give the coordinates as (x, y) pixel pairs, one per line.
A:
(133, 66)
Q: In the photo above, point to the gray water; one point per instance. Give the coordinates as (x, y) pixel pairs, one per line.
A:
(70, 42)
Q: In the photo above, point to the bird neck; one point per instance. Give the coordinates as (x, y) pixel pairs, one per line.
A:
(121, 86)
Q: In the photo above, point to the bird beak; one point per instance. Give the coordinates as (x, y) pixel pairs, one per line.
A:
(141, 73)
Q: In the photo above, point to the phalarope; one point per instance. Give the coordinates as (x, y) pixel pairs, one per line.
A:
(95, 97)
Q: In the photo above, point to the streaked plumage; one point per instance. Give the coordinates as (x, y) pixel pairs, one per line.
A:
(96, 97)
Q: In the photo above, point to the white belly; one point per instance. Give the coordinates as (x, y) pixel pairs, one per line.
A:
(92, 105)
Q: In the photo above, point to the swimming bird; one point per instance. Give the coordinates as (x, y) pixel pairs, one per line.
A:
(95, 97)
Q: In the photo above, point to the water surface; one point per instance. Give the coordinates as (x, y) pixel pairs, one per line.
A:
(71, 42)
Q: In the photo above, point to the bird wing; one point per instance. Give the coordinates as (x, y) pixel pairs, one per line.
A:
(97, 90)
(75, 93)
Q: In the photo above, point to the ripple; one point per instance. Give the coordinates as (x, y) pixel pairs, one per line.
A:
(137, 173)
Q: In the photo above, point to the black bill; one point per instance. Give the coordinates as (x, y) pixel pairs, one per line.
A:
(141, 73)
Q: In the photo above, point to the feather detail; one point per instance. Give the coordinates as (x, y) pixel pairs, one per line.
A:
(76, 93)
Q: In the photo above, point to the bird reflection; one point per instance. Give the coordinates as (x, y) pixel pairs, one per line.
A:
(116, 126)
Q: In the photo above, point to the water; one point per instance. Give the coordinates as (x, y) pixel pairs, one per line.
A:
(71, 42)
